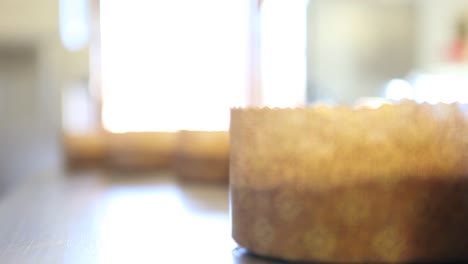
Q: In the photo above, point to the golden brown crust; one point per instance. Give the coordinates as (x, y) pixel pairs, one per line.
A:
(344, 185)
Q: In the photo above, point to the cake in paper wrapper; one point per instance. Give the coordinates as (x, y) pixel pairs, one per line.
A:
(84, 150)
(351, 185)
(202, 156)
(141, 150)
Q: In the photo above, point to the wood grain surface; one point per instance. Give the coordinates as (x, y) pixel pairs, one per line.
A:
(100, 217)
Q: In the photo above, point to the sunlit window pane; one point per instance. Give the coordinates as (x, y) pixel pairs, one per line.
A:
(170, 65)
(283, 52)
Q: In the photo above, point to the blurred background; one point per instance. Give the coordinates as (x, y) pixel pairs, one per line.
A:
(76, 74)
(125, 87)
(89, 80)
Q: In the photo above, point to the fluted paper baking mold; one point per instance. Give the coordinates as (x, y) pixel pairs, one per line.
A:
(351, 185)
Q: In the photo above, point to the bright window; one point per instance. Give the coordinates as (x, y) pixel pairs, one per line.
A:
(283, 31)
(171, 65)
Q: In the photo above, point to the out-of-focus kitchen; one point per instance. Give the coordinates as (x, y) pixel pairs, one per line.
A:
(115, 115)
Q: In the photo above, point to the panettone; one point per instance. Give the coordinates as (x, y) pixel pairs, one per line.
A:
(351, 185)
(202, 156)
(141, 150)
(84, 149)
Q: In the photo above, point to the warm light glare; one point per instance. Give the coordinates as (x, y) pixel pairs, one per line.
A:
(430, 88)
(444, 88)
(370, 102)
(398, 89)
(171, 65)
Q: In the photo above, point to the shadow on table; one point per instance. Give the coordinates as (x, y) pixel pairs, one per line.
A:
(243, 256)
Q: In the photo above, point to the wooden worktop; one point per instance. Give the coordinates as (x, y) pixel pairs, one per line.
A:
(100, 217)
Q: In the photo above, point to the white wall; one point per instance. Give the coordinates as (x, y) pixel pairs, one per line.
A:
(354, 46)
(20, 19)
(436, 22)
(34, 67)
